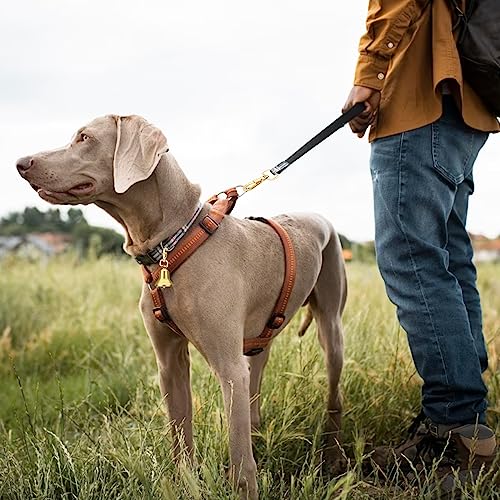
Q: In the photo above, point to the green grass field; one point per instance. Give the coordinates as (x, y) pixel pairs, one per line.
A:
(81, 414)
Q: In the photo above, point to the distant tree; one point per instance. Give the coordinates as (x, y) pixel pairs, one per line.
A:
(364, 252)
(99, 240)
(32, 218)
(75, 217)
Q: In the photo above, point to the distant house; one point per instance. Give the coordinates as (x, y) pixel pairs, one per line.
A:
(485, 249)
(34, 245)
(8, 244)
(347, 254)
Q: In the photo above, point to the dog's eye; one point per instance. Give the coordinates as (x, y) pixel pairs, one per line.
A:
(84, 137)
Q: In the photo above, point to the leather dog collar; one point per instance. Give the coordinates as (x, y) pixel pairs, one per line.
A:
(154, 255)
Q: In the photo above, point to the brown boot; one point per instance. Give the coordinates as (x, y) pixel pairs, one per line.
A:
(456, 453)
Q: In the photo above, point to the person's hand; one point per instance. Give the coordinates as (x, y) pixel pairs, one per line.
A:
(371, 98)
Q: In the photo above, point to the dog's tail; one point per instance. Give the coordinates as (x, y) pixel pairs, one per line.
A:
(306, 321)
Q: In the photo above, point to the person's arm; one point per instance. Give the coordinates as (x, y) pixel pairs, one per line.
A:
(386, 24)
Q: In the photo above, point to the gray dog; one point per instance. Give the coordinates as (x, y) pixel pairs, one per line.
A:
(223, 293)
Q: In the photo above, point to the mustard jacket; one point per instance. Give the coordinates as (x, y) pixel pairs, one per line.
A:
(407, 51)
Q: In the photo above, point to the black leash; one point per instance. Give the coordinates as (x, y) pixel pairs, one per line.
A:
(346, 117)
(273, 173)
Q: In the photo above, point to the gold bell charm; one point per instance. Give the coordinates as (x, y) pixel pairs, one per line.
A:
(164, 281)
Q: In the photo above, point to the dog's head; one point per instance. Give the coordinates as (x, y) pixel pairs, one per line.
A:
(108, 155)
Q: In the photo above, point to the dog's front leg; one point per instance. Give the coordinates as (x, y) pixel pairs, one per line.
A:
(172, 357)
(175, 385)
(234, 377)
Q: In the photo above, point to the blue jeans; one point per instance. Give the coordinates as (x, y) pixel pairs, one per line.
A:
(422, 180)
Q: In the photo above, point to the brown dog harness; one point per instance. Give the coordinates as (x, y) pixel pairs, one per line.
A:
(220, 207)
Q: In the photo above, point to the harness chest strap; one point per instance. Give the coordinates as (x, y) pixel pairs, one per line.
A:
(194, 240)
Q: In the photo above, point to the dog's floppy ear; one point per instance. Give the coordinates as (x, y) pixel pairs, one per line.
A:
(139, 146)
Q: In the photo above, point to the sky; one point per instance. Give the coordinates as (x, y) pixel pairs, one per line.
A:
(235, 86)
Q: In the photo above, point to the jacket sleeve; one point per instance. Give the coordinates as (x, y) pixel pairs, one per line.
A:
(386, 24)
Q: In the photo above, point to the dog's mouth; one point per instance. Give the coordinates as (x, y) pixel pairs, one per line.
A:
(76, 192)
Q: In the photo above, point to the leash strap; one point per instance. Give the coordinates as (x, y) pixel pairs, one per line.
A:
(346, 117)
(273, 173)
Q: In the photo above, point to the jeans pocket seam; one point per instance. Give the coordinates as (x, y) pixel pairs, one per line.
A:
(469, 151)
(455, 180)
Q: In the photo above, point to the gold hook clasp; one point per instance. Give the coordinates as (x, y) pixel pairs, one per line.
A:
(266, 175)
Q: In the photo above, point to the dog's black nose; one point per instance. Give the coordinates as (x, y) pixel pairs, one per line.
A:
(24, 164)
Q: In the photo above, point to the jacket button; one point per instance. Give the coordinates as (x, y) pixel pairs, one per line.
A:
(390, 45)
(381, 76)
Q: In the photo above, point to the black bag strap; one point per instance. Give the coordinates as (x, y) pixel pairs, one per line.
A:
(462, 16)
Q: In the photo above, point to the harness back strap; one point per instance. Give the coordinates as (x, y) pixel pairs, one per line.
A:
(208, 225)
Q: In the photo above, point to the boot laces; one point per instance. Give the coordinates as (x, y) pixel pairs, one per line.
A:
(431, 447)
